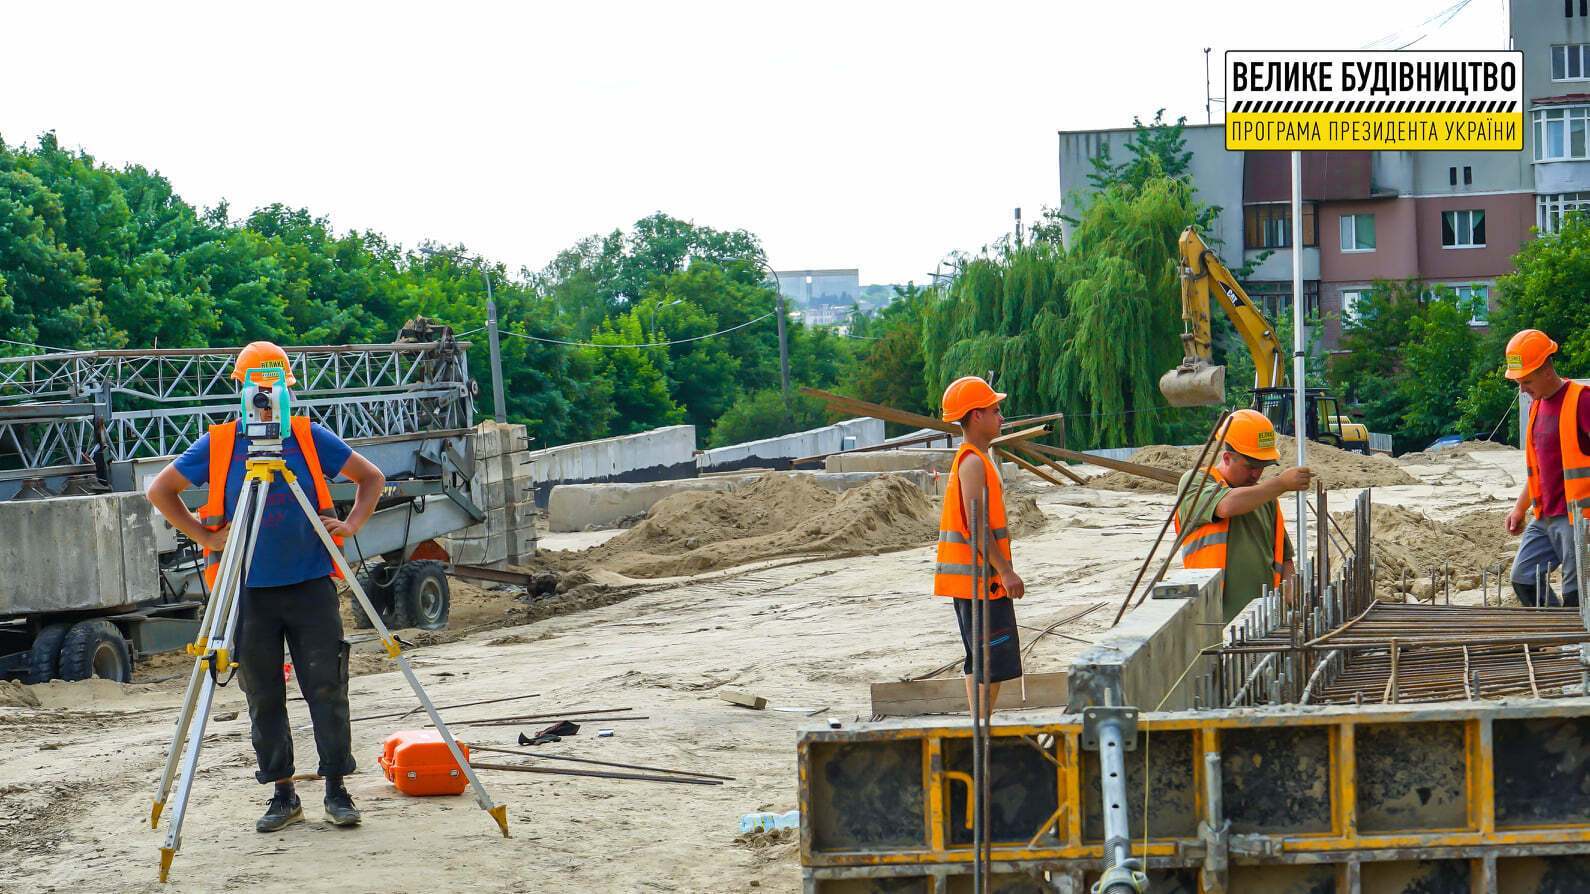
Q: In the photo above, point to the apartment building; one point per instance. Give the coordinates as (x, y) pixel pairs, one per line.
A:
(1444, 218)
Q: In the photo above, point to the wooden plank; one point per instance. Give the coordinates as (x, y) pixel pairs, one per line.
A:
(1022, 435)
(1007, 454)
(1033, 420)
(1075, 478)
(914, 697)
(743, 699)
(879, 411)
(886, 445)
(1120, 465)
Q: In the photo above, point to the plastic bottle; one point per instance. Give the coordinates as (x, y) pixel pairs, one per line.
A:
(768, 822)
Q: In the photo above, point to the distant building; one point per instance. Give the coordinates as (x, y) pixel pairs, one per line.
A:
(1444, 218)
(813, 288)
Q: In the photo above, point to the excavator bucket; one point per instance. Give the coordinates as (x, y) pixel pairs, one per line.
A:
(1196, 383)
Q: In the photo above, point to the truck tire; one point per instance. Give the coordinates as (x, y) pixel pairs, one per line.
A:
(420, 595)
(377, 584)
(44, 660)
(95, 649)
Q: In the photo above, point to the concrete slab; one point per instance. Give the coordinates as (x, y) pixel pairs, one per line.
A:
(580, 507)
(77, 553)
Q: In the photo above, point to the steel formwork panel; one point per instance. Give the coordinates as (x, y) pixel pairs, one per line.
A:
(1331, 799)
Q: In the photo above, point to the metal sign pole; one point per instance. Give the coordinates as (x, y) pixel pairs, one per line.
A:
(1299, 363)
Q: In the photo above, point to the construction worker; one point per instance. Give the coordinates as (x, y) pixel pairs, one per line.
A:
(1557, 452)
(1236, 517)
(288, 590)
(970, 402)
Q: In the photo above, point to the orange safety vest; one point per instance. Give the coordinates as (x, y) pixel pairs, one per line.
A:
(953, 574)
(1205, 547)
(223, 439)
(1575, 462)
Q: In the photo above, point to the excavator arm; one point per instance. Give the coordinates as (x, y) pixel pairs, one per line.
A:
(1197, 381)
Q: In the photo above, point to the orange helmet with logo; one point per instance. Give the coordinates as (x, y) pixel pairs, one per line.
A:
(1526, 351)
(263, 355)
(966, 394)
(1251, 434)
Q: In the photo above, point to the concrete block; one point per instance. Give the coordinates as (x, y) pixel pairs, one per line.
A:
(493, 439)
(1139, 660)
(77, 553)
(776, 453)
(929, 459)
(578, 507)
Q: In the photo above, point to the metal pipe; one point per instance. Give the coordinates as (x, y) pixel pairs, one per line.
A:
(1112, 780)
(1299, 364)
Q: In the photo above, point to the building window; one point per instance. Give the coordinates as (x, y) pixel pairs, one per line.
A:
(1568, 62)
(1451, 176)
(1478, 300)
(1358, 232)
(1463, 229)
(1560, 133)
(1275, 298)
(1270, 225)
(1549, 209)
(1350, 301)
(1468, 176)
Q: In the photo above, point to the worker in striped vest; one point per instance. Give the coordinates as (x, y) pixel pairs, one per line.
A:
(1557, 453)
(1235, 515)
(972, 403)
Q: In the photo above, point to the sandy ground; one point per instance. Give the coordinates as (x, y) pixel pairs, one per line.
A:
(79, 770)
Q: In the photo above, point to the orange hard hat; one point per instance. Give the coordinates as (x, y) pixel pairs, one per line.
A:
(1526, 351)
(1251, 434)
(263, 355)
(966, 394)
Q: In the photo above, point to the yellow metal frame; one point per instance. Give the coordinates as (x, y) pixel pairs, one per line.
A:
(1342, 843)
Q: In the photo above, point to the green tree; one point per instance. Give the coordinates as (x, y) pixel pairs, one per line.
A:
(763, 414)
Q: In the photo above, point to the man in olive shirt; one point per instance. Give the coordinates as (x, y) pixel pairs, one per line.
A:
(1235, 518)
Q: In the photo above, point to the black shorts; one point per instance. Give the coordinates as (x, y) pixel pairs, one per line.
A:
(1004, 645)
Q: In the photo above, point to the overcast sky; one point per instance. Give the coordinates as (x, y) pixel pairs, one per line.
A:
(857, 134)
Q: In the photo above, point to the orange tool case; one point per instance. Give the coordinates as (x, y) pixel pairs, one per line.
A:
(418, 763)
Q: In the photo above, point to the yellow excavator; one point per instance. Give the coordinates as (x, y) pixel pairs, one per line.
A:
(1198, 382)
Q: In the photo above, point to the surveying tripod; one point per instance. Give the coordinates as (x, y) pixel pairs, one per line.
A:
(212, 649)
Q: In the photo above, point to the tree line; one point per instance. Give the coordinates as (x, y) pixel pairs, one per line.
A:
(613, 336)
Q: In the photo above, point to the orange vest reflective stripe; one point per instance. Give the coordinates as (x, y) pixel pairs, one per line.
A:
(223, 440)
(1205, 547)
(953, 574)
(1575, 462)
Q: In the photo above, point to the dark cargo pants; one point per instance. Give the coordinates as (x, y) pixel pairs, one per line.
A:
(306, 616)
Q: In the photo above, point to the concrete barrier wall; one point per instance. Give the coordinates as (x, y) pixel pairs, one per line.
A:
(661, 453)
(1139, 660)
(580, 507)
(77, 553)
(777, 453)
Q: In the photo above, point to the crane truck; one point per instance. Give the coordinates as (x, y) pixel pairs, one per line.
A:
(1197, 381)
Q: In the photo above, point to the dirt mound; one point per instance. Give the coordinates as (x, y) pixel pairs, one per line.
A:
(774, 516)
(1450, 454)
(16, 695)
(1338, 468)
(1408, 543)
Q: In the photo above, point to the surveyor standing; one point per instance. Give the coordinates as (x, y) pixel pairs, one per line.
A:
(973, 404)
(288, 591)
(1236, 517)
(1557, 452)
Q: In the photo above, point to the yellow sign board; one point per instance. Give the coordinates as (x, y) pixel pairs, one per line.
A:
(1375, 99)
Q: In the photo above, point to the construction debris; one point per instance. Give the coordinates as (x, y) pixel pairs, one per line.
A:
(743, 699)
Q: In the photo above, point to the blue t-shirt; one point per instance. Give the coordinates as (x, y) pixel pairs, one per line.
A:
(289, 551)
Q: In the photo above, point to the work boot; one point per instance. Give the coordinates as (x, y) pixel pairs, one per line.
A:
(339, 804)
(284, 810)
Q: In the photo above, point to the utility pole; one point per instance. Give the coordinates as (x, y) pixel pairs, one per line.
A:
(783, 343)
(499, 407)
(1018, 228)
(1209, 115)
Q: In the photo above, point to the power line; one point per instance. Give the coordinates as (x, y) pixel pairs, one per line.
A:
(653, 344)
(29, 344)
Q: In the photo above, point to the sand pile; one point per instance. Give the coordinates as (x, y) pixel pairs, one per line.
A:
(774, 516)
(1407, 542)
(1338, 468)
(1449, 454)
(16, 695)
